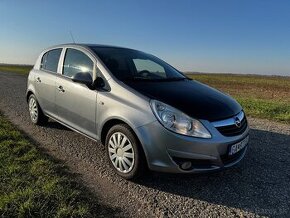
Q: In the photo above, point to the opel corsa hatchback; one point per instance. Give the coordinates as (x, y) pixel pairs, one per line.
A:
(146, 113)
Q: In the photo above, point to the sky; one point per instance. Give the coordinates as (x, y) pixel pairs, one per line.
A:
(228, 36)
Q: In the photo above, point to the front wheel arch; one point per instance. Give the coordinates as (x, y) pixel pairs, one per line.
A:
(141, 165)
(112, 122)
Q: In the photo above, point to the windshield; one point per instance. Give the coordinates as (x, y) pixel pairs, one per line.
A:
(128, 64)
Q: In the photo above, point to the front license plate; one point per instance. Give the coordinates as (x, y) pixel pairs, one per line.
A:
(238, 146)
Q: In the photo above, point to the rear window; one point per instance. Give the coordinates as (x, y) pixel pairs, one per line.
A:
(50, 60)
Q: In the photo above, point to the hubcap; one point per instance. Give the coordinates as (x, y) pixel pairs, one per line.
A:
(33, 109)
(121, 152)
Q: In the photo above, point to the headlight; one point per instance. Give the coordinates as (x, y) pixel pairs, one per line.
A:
(177, 121)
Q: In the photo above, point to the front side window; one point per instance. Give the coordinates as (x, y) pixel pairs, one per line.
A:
(50, 60)
(77, 62)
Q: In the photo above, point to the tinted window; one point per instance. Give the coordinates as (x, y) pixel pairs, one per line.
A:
(128, 64)
(50, 60)
(148, 66)
(76, 62)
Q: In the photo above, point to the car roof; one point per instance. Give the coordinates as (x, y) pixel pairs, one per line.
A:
(86, 45)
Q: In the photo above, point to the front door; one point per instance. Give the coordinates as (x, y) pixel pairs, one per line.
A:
(75, 102)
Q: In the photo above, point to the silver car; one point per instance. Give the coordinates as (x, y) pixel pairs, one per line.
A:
(145, 112)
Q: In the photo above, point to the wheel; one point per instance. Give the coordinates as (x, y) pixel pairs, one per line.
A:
(36, 115)
(125, 153)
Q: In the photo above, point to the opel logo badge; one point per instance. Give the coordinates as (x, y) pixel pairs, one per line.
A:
(238, 122)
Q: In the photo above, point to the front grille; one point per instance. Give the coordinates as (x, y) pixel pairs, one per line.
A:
(233, 130)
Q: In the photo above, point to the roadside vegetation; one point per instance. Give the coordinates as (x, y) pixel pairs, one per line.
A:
(22, 69)
(34, 185)
(261, 96)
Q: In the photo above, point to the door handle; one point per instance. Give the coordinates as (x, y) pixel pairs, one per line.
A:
(38, 80)
(60, 89)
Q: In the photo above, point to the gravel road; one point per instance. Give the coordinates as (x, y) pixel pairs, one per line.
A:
(258, 186)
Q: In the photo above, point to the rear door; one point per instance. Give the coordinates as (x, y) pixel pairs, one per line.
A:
(75, 102)
(45, 81)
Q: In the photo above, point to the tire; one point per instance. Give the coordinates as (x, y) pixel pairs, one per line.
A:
(36, 115)
(124, 152)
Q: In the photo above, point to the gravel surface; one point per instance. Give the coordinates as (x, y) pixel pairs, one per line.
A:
(258, 186)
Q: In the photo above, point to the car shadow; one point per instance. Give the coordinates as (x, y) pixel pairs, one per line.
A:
(56, 125)
(260, 184)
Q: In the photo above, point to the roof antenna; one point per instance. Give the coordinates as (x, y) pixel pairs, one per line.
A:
(72, 37)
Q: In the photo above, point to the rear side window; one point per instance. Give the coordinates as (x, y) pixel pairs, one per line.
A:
(77, 62)
(50, 60)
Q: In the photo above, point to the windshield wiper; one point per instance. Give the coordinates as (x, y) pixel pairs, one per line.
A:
(154, 80)
(174, 79)
(136, 79)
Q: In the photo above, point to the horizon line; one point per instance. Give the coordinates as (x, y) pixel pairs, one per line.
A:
(185, 72)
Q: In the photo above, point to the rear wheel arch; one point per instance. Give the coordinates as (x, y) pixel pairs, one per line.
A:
(29, 92)
(36, 114)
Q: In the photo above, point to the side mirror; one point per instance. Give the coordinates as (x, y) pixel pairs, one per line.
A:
(84, 78)
(99, 83)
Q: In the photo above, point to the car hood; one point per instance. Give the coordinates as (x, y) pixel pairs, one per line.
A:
(191, 97)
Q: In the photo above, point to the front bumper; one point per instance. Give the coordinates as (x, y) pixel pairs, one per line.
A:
(166, 151)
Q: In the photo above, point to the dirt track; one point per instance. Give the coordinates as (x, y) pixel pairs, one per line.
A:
(259, 186)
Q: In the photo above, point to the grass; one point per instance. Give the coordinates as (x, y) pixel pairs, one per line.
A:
(34, 185)
(22, 69)
(261, 96)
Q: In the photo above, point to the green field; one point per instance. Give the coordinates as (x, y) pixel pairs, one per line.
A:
(22, 69)
(34, 185)
(261, 96)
